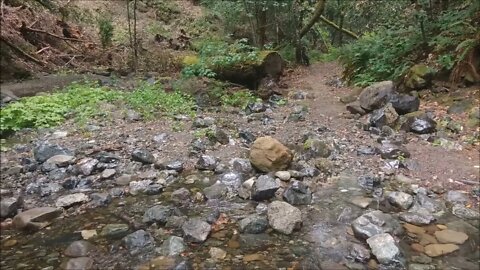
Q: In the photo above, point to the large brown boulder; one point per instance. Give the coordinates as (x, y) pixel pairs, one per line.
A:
(267, 154)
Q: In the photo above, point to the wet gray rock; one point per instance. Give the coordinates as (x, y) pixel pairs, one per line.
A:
(355, 108)
(255, 107)
(100, 199)
(80, 248)
(221, 136)
(253, 224)
(114, 231)
(107, 173)
(386, 116)
(366, 151)
(245, 191)
(232, 180)
(45, 150)
(264, 188)
(49, 189)
(124, 179)
(61, 160)
(180, 195)
(417, 218)
(247, 136)
(157, 214)
(283, 175)
(86, 166)
(8, 206)
(172, 246)
(106, 157)
(207, 163)
(176, 165)
(143, 155)
(375, 222)
(71, 199)
(215, 191)
(176, 221)
(284, 217)
(45, 168)
(35, 218)
(242, 165)
(359, 253)
(456, 196)
(389, 150)
(81, 263)
(147, 187)
(198, 146)
(429, 204)
(404, 104)
(376, 95)
(196, 230)
(255, 241)
(385, 250)
(297, 193)
(463, 212)
(203, 122)
(138, 241)
(419, 123)
(417, 266)
(400, 199)
(369, 182)
(212, 215)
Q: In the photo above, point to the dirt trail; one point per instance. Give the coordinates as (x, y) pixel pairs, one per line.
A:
(436, 165)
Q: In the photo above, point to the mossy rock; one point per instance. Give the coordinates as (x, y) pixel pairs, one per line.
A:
(419, 76)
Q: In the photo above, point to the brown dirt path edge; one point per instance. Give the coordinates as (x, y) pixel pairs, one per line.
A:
(437, 165)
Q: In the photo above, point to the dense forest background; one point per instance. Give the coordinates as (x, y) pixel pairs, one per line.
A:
(374, 40)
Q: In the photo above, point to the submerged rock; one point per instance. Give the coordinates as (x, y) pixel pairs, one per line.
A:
(196, 230)
(253, 224)
(172, 246)
(375, 222)
(298, 193)
(138, 241)
(36, 218)
(385, 250)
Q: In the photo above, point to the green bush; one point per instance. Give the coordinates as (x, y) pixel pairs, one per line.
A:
(238, 99)
(105, 27)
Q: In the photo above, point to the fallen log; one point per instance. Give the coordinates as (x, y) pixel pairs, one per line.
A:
(248, 73)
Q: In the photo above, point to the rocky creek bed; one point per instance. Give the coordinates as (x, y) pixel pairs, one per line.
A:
(300, 186)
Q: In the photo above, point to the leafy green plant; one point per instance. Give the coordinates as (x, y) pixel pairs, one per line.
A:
(148, 99)
(105, 27)
(78, 100)
(238, 99)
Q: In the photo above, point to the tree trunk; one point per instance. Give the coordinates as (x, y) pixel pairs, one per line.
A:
(338, 28)
(319, 7)
(269, 64)
(262, 27)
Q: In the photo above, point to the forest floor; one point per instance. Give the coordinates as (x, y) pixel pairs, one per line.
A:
(443, 177)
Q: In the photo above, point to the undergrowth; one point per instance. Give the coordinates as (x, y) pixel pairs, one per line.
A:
(82, 102)
(388, 52)
(213, 54)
